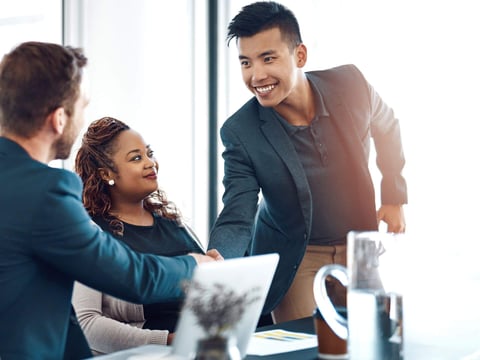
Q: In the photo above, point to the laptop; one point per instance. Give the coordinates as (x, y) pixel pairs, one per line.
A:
(250, 275)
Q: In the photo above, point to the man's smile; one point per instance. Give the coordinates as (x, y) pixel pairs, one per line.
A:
(264, 89)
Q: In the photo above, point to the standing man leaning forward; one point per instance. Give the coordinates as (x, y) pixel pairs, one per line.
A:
(303, 141)
(47, 239)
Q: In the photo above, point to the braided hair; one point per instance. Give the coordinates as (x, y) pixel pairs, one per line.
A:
(96, 152)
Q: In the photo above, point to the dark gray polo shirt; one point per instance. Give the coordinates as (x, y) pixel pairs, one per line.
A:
(326, 166)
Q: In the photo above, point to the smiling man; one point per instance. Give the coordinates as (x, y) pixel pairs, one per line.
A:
(303, 141)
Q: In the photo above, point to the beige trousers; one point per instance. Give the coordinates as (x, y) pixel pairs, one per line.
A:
(298, 302)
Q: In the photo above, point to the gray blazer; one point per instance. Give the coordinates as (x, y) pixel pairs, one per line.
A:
(259, 156)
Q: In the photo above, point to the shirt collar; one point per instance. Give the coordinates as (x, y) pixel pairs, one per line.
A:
(321, 111)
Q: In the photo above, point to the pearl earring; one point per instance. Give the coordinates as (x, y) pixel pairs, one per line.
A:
(111, 182)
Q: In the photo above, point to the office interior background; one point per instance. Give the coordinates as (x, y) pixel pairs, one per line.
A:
(164, 68)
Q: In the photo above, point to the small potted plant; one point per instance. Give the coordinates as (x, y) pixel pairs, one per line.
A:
(217, 310)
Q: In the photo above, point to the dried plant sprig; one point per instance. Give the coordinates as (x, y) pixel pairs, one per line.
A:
(219, 308)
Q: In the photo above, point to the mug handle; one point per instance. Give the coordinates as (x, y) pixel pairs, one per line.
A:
(336, 321)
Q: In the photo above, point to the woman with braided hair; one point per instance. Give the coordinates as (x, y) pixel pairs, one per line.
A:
(121, 194)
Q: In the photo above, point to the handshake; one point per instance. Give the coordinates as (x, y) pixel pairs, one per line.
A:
(210, 255)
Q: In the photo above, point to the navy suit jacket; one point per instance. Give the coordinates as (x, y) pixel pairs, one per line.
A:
(47, 240)
(259, 156)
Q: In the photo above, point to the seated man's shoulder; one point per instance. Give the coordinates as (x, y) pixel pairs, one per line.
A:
(62, 177)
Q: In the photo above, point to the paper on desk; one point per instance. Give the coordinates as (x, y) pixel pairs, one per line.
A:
(279, 341)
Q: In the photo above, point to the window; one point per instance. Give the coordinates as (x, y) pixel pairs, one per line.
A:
(148, 68)
(29, 20)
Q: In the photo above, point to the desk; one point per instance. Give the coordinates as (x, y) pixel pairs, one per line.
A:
(301, 325)
(431, 348)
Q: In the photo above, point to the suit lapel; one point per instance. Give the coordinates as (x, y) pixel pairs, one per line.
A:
(342, 120)
(278, 138)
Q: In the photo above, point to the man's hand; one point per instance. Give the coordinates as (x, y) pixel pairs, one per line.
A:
(393, 216)
(211, 255)
(215, 254)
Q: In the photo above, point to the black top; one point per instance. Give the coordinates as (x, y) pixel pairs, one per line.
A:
(165, 237)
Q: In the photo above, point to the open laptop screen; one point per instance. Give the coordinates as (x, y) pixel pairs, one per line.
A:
(229, 294)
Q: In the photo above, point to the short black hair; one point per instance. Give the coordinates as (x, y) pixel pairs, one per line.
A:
(265, 15)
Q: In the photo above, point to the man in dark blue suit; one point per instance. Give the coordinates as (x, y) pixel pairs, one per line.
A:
(303, 141)
(47, 239)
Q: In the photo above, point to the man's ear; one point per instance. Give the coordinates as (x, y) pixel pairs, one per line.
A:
(301, 55)
(58, 120)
